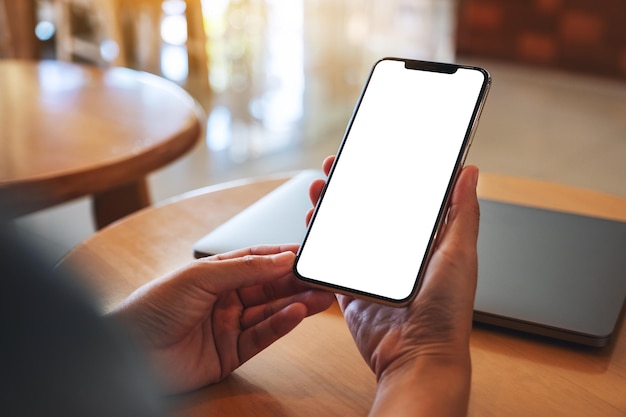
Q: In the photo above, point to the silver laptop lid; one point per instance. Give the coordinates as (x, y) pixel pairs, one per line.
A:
(277, 218)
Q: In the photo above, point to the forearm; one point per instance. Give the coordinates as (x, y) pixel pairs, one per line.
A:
(429, 388)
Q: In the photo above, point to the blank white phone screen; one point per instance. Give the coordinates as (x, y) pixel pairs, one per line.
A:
(378, 213)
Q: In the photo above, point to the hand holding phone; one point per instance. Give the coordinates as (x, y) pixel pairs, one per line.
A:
(375, 224)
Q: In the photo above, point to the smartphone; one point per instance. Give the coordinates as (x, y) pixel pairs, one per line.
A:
(386, 196)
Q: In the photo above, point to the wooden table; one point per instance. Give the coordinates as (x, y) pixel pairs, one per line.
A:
(68, 131)
(316, 370)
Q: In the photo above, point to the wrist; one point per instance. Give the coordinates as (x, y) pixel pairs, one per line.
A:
(432, 385)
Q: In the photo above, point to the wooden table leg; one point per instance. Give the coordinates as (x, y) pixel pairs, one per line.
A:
(21, 28)
(112, 205)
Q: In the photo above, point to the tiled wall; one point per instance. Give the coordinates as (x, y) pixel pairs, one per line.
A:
(587, 36)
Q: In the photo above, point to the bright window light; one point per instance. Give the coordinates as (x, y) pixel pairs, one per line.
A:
(174, 30)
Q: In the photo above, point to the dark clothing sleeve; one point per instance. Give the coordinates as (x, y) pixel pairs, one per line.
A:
(58, 357)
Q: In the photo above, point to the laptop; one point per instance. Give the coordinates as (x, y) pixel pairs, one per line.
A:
(277, 218)
(550, 273)
(540, 271)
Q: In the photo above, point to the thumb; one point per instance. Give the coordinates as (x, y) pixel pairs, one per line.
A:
(464, 213)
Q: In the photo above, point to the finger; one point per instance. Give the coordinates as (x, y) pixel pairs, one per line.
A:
(314, 301)
(328, 163)
(257, 338)
(282, 287)
(254, 250)
(220, 275)
(344, 301)
(315, 190)
(308, 216)
(317, 186)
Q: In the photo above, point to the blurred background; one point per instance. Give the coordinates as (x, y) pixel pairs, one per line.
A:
(278, 79)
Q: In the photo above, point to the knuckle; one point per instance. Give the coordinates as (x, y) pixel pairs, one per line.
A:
(249, 262)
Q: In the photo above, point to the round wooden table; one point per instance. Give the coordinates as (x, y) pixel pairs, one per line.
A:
(316, 369)
(68, 131)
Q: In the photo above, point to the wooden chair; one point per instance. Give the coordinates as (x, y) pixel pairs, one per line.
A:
(140, 21)
(132, 25)
(104, 46)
